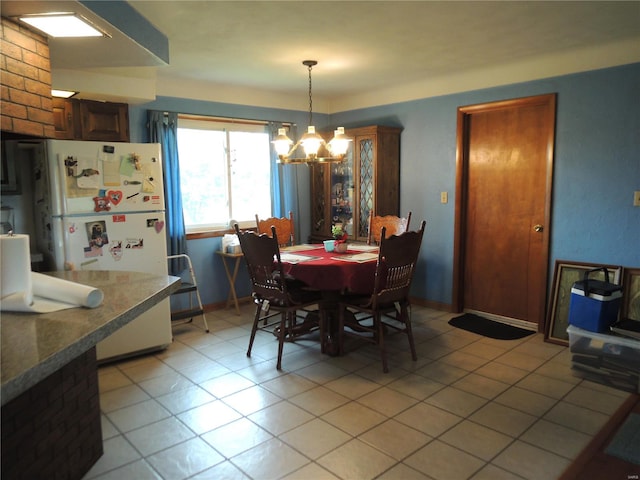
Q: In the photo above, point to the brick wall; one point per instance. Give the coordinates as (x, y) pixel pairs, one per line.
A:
(25, 78)
(52, 431)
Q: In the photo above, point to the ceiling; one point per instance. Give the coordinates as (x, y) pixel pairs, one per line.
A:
(369, 52)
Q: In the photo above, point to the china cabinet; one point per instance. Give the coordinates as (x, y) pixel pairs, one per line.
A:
(367, 179)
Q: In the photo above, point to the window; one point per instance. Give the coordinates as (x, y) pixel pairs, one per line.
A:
(224, 173)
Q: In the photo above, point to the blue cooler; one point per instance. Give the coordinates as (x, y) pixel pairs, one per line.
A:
(594, 304)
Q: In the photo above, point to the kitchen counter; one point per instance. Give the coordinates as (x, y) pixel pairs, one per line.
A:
(51, 425)
(36, 345)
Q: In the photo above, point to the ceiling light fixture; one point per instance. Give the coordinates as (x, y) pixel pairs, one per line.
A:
(62, 93)
(311, 141)
(62, 24)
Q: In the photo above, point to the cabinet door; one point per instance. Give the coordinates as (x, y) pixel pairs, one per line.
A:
(365, 166)
(105, 121)
(66, 120)
(342, 194)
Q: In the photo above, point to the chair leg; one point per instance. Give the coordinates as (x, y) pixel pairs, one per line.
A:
(291, 322)
(409, 331)
(377, 320)
(283, 331)
(254, 329)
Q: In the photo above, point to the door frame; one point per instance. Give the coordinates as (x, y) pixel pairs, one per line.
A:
(462, 173)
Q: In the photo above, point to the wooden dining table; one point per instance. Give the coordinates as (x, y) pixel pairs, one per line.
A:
(335, 274)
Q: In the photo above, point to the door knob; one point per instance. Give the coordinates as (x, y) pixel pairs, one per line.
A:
(538, 228)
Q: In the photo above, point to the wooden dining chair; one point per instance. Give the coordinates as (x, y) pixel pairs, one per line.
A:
(272, 291)
(284, 228)
(394, 225)
(369, 317)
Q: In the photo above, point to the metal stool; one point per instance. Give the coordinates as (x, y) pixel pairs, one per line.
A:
(190, 287)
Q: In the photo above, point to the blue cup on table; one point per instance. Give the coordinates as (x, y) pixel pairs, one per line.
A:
(329, 245)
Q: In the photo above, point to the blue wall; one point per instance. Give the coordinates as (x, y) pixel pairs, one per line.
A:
(596, 171)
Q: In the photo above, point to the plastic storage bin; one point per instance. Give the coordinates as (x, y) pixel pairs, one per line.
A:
(594, 304)
(608, 359)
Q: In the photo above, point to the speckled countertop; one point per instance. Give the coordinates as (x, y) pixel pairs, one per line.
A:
(36, 345)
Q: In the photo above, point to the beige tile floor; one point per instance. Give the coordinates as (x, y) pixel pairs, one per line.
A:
(469, 408)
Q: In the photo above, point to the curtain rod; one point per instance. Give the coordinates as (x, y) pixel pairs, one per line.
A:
(210, 118)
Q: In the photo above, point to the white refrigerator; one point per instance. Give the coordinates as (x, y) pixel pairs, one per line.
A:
(100, 206)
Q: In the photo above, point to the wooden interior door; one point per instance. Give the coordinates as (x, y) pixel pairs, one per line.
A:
(504, 179)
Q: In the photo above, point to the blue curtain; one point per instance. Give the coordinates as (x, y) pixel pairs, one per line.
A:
(291, 194)
(284, 182)
(277, 189)
(163, 129)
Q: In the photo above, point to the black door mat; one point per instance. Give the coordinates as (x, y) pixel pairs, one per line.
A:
(488, 328)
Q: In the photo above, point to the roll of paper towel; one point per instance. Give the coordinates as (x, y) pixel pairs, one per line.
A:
(15, 264)
(27, 291)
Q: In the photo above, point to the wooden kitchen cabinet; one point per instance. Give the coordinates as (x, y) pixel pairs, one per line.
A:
(91, 120)
(66, 118)
(104, 121)
(367, 179)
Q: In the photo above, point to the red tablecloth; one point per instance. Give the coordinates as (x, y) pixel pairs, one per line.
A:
(330, 274)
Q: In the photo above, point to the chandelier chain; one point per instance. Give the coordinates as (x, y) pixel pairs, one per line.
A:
(310, 99)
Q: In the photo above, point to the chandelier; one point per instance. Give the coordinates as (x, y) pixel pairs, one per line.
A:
(311, 141)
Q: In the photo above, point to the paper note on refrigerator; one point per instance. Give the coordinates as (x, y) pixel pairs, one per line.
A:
(127, 167)
(80, 176)
(88, 175)
(147, 185)
(111, 173)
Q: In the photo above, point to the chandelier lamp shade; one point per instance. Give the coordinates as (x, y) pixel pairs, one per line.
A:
(311, 142)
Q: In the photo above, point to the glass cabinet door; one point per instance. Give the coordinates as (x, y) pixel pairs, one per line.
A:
(366, 167)
(342, 193)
